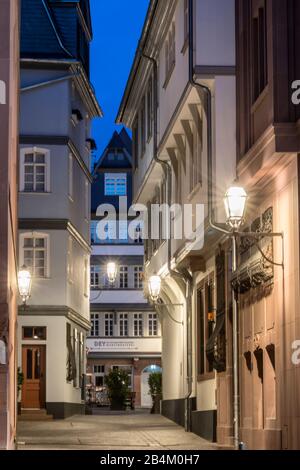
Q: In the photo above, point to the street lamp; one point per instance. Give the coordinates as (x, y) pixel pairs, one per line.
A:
(24, 283)
(235, 206)
(112, 272)
(154, 285)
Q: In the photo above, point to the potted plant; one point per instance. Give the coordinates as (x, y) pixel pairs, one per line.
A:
(155, 385)
(20, 381)
(117, 387)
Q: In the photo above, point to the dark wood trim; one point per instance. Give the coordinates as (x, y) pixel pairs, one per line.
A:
(43, 139)
(214, 70)
(43, 224)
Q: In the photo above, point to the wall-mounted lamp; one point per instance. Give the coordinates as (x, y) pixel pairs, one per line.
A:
(112, 272)
(235, 205)
(154, 286)
(24, 283)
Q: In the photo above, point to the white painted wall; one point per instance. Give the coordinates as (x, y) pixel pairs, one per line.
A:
(57, 388)
(118, 296)
(215, 32)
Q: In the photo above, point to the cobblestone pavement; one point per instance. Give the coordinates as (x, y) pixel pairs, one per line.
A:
(139, 431)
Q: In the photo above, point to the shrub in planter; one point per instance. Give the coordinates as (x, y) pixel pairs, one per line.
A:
(155, 385)
(117, 387)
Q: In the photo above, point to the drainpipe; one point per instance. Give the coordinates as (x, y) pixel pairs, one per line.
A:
(186, 278)
(212, 224)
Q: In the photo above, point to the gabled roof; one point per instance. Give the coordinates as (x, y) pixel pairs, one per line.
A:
(118, 141)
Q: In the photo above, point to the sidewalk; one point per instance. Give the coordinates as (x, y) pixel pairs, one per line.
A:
(137, 431)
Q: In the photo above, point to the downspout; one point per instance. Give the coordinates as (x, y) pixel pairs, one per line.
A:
(186, 278)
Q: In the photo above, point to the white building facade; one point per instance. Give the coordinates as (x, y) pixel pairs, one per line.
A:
(57, 106)
(180, 103)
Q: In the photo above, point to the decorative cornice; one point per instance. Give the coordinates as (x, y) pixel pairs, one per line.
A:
(54, 224)
(55, 311)
(267, 152)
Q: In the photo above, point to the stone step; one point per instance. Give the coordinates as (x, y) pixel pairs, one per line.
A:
(31, 411)
(35, 415)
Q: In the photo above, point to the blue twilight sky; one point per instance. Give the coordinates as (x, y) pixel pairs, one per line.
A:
(117, 26)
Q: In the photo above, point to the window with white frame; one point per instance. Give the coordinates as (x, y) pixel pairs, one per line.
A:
(34, 253)
(86, 277)
(95, 324)
(99, 374)
(170, 53)
(115, 184)
(70, 261)
(71, 175)
(138, 324)
(143, 125)
(35, 170)
(123, 284)
(95, 277)
(186, 19)
(86, 200)
(109, 324)
(196, 155)
(152, 324)
(123, 324)
(150, 109)
(138, 277)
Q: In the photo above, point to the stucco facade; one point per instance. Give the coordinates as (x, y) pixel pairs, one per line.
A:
(9, 102)
(57, 106)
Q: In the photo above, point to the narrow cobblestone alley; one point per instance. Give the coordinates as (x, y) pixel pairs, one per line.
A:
(139, 431)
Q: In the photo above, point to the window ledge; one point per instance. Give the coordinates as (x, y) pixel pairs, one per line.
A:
(36, 193)
(168, 77)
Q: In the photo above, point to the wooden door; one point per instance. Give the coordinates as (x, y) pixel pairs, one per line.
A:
(34, 369)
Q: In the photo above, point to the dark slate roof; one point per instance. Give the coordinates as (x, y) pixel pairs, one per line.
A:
(39, 34)
(118, 141)
(127, 140)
